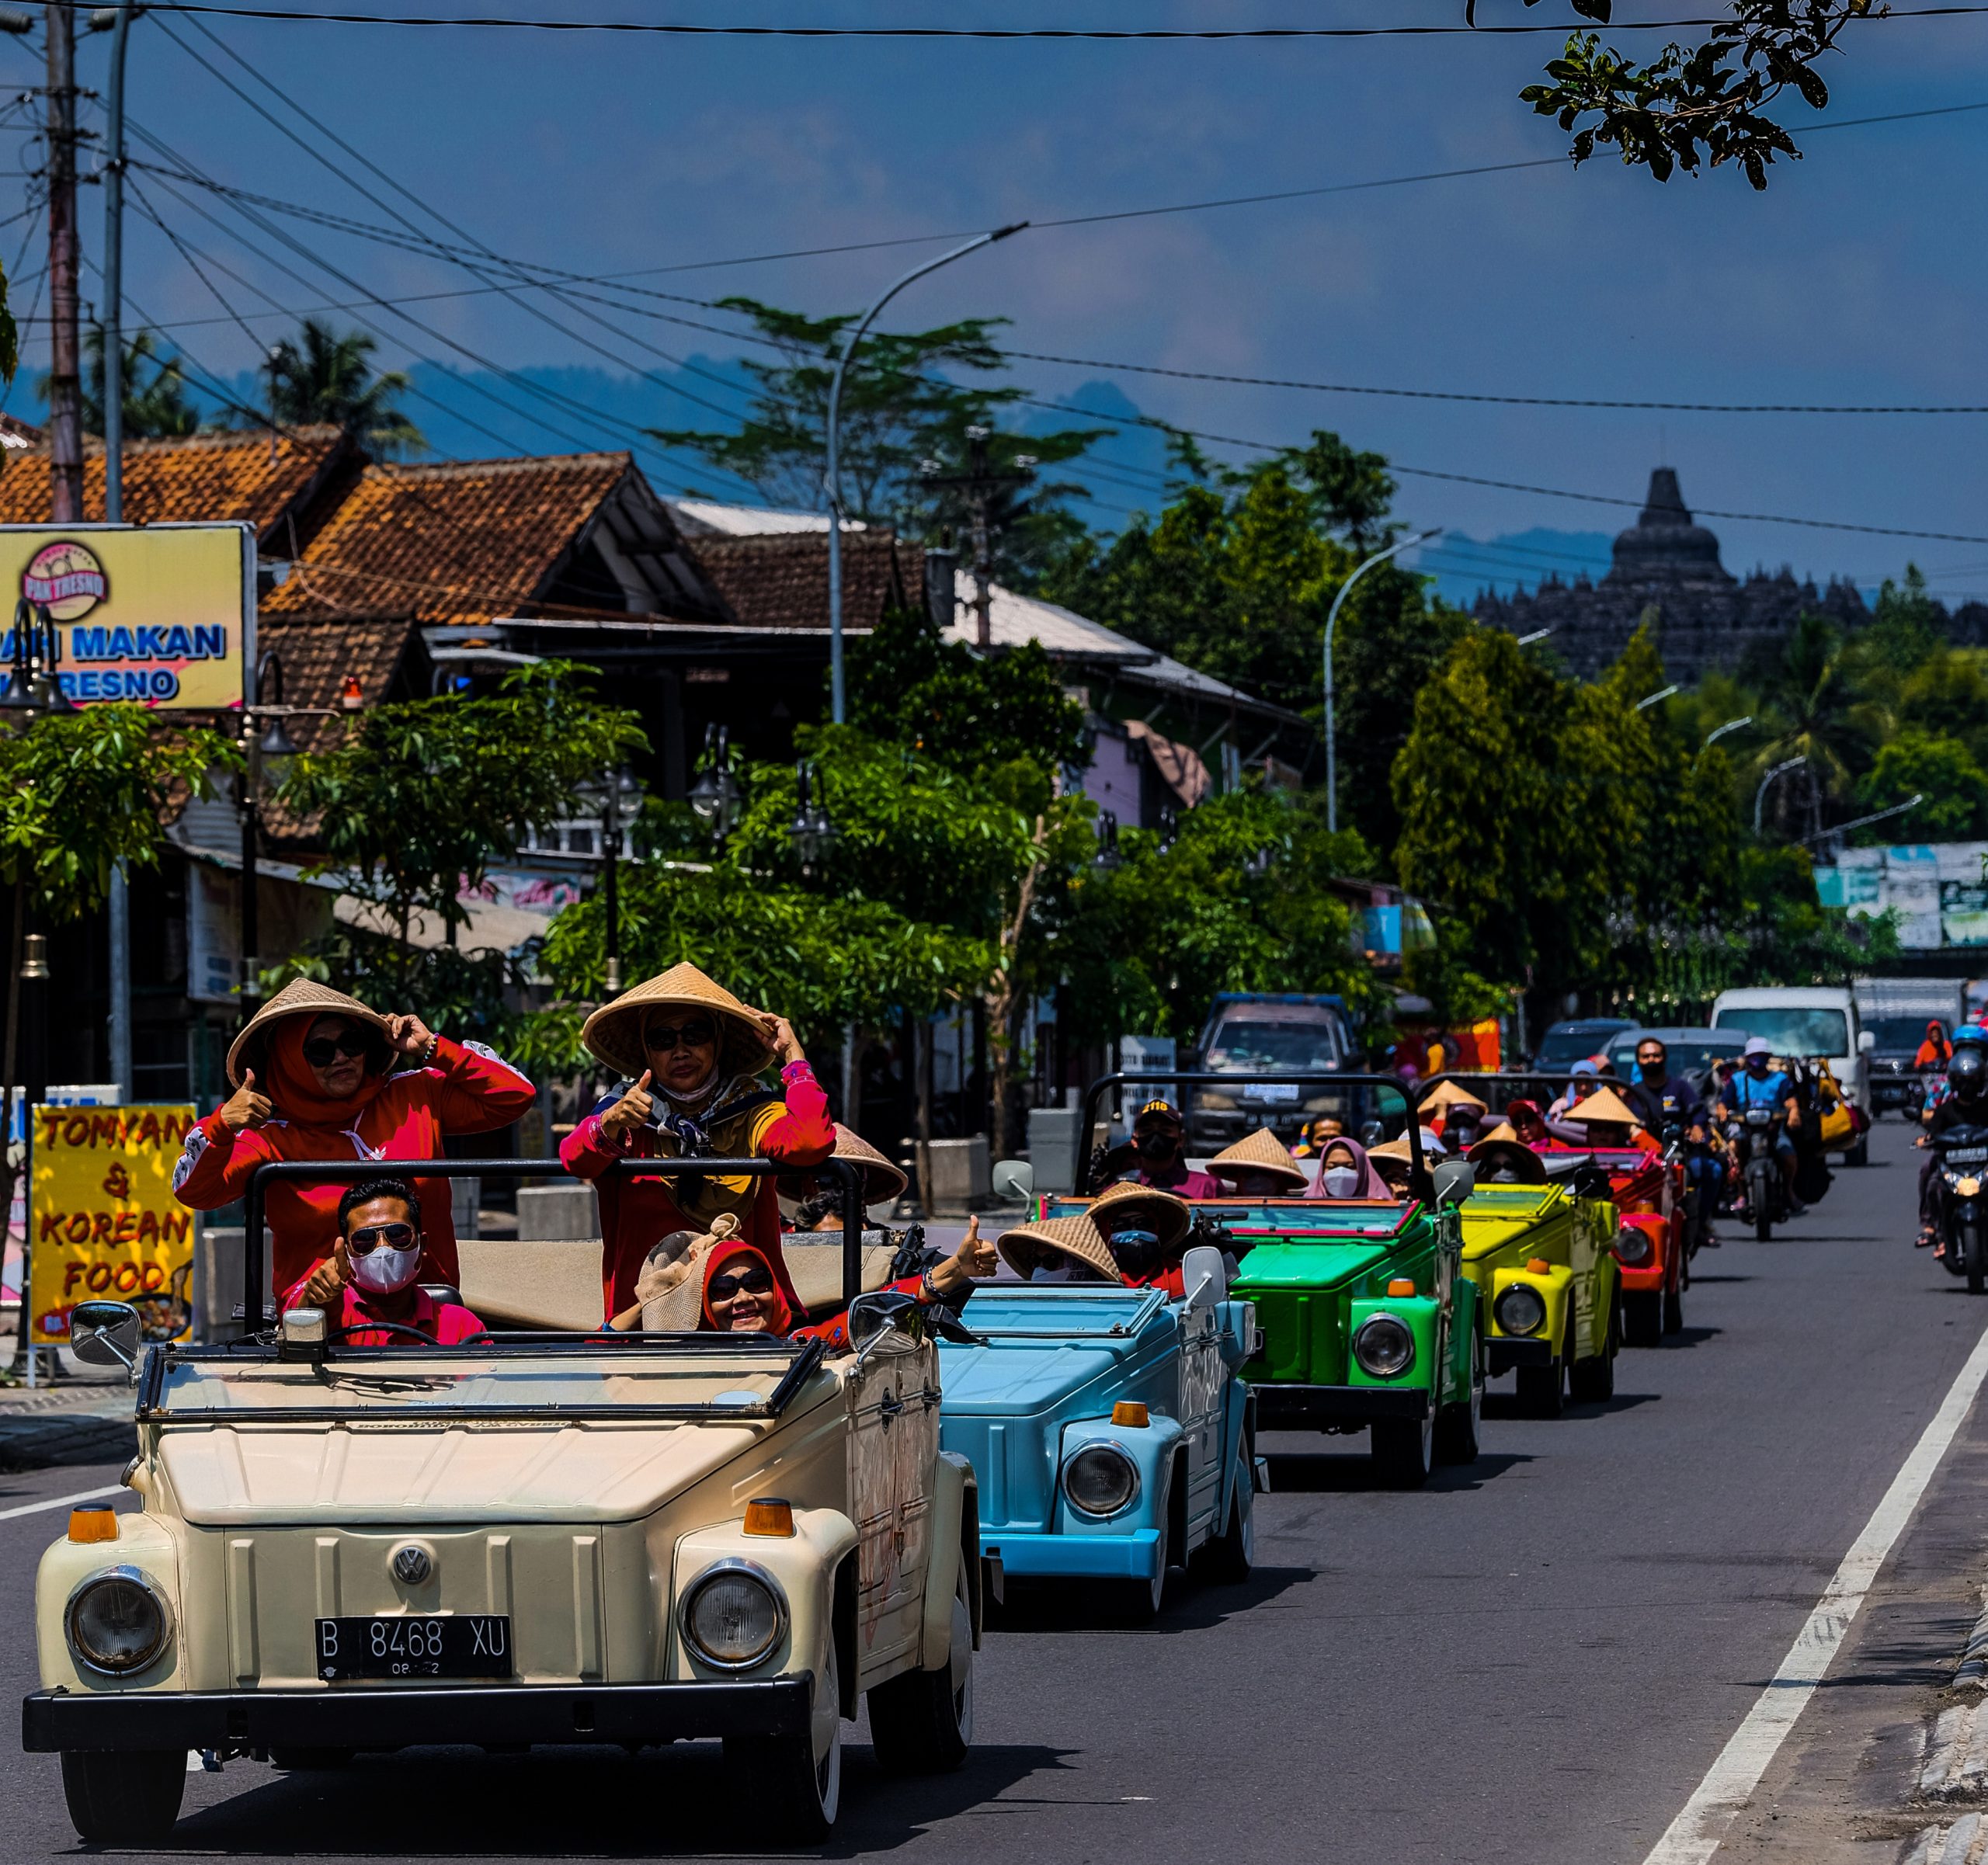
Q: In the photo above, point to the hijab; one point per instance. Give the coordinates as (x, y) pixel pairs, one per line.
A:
(293, 1083)
(781, 1321)
(1370, 1184)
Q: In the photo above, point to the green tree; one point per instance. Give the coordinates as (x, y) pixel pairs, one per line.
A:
(323, 376)
(1812, 709)
(156, 404)
(424, 796)
(1941, 769)
(1704, 102)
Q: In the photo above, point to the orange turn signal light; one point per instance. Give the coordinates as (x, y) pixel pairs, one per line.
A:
(1538, 1266)
(1131, 1413)
(1401, 1285)
(98, 1523)
(770, 1515)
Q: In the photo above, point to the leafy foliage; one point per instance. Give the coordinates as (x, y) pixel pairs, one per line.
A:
(155, 406)
(1706, 103)
(324, 376)
(81, 791)
(1943, 771)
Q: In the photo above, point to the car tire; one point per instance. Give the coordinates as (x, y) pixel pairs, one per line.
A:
(1137, 1602)
(1456, 1424)
(1642, 1317)
(310, 1761)
(1404, 1450)
(128, 1797)
(791, 1781)
(921, 1722)
(1543, 1390)
(1228, 1558)
(1860, 1154)
(1592, 1381)
(1673, 1311)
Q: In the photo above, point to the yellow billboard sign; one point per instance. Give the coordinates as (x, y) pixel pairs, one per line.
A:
(162, 614)
(102, 1222)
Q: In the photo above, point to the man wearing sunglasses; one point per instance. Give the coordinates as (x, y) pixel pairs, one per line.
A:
(377, 1261)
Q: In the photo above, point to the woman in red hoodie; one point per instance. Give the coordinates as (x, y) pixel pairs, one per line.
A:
(317, 1075)
(693, 1054)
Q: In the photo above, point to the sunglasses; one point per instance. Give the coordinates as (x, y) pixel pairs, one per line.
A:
(753, 1281)
(664, 1037)
(368, 1237)
(320, 1051)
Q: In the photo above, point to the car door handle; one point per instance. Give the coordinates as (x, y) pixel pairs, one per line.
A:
(888, 1408)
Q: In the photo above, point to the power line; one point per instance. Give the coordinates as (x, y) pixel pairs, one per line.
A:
(679, 30)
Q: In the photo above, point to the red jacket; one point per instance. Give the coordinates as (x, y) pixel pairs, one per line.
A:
(463, 1090)
(636, 1212)
(444, 1322)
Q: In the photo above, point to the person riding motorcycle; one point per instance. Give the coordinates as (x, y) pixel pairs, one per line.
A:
(1936, 1051)
(1677, 1111)
(1758, 1085)
(1965, 1104)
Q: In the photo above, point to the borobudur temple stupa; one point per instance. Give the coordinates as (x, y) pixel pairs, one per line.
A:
(1706, 617)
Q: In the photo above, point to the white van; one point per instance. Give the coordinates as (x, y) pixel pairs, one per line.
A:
(1806, 1020)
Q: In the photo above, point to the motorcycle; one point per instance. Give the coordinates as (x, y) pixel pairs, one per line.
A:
(1754, 1137)
(1960, 1200)
(1700, 1199)
(1919, 1089)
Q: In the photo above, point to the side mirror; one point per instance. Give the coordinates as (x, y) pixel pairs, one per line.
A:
(105, 1334)
(885, 1311)
(1455, 1180)
(1372, 1133)
(1867, 1040)
(1014, 1181)
(1204, 1275)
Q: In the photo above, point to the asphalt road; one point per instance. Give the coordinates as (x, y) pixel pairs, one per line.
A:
(1535, 1659)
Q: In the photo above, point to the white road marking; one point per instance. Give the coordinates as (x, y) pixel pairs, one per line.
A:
(1694, 1835)
(81, 1496)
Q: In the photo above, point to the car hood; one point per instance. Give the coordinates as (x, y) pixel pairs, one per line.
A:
(1496, 1217)
(1312, 1264)
(1042, 1349)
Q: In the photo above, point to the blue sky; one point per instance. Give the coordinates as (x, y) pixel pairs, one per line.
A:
(1858, 276)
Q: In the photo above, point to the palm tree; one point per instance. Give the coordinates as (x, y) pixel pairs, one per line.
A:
(1812, 710)
(154, 409)
(325, 377)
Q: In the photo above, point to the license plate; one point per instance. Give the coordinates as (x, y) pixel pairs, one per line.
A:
(467, 1644)
(1273, 1094)
(1967, 1155)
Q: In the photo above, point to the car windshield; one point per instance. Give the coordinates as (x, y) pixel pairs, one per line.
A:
(1688, 1055)
(1902, 1033)
(1559, 1048)
(1793, 1029)
(1240, 1044)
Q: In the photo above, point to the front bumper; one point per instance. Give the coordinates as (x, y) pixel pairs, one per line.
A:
(1282, 1407)
(1138, 1554)
(1649, 1277)
(350, 1715)
(1503, 1352)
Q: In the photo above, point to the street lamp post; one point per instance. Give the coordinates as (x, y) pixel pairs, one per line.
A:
(833, 479)
(619, 799)
(1719, 731)
(1332, 622)
(1665, 693)
(715, 798)
(1760, 795)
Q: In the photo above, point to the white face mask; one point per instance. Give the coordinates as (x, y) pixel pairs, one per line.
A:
(1341, 1181)
(384, 1270)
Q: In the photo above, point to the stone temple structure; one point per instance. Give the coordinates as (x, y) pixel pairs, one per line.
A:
(1707, 618)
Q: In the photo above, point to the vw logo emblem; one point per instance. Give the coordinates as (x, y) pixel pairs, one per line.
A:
(411, 1565)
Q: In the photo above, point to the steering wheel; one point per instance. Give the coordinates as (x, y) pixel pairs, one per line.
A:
(381, 1327)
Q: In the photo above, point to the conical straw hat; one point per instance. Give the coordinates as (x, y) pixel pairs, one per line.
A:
(614, 1032)
(300, 997)
(1076, 1237)
(1508, 1155)
(1169, 1215)
(1504, 1131)
(1603, 1104)
(881, 1180)
(1451, 1094)
(1261, 1151)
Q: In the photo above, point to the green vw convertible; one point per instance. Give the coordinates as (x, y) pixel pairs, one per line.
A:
(1368, 1322)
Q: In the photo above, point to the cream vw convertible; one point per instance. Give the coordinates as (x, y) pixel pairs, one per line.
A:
(534, 1538)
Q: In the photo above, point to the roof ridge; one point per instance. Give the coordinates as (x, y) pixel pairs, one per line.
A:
(409, 470)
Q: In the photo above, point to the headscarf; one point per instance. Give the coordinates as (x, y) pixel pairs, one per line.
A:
(1372, 1184)
(1523, 1115)
(293, 1083)
(781, 1321)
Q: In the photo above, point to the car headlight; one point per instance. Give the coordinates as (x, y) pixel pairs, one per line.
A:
(1520, 1309)
(117, 1622)
(1384, 1345)
(1100, 1480)
(734, 1615)
(1632, 1246)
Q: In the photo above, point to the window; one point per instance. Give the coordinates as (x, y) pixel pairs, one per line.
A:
(1791, 1029)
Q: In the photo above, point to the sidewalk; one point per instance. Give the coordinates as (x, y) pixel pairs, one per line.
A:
(84, 1418)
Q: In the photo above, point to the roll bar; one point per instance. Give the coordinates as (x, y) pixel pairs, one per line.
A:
(350, 1172)
(1419, 1181)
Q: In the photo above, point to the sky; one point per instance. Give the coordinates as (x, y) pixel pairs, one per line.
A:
(1857, 277)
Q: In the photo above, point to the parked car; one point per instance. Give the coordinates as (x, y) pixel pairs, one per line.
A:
(1116, 1442)
(607, 1540)
(1810, 1020)
(1577, 1039)
(1260, 1035)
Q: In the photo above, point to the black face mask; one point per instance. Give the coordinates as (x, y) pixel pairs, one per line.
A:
(1156, 1145)
(1650, 1071)
(1136, 1252)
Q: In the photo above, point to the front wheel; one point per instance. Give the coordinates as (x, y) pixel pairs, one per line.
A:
(795, 1782)
(1543, 1390)
(1227, 1559)
(1138, 1602)
(131, 1798)
(1642, 1317)
(1673, 1311)
(1456, 1424)
(1405, 1449)
(921, 1722)
(1974, 1256)
(1593, 1380)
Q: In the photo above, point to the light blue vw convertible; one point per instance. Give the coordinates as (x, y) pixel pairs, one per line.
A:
(1112, 1439)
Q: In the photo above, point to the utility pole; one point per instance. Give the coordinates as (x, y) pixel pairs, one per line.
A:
(981, 484)
(65, 382)
(114, 277)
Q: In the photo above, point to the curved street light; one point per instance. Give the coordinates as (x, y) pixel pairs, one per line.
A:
(832, 477)
(1332, 622)
(1719, 731)
(1760, 795)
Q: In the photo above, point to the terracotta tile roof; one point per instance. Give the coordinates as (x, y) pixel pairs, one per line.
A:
(781, 581)
(212, 476)
(451, 543)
